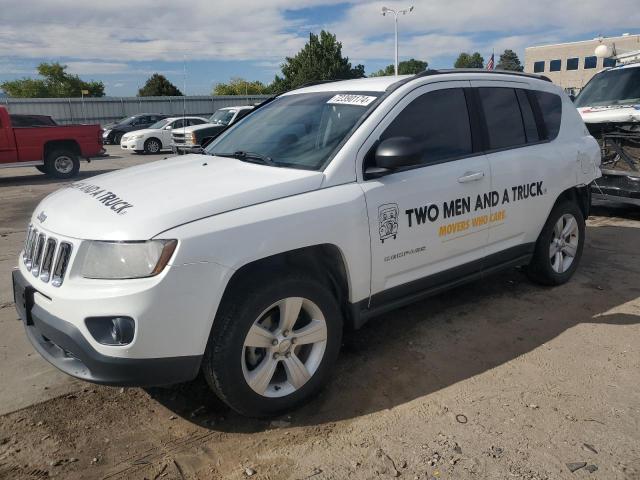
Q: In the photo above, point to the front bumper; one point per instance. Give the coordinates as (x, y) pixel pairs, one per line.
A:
(182, 149)
(63, 345)
(136, 145)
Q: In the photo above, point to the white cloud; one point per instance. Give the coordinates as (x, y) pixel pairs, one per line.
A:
(103, 37)
(88, 67)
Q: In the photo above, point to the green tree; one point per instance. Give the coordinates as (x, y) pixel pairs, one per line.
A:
(320, 59)
(55, 82)
(240, 86)
(158, 86)
(509, 61)
(466, 60)
(406, 67)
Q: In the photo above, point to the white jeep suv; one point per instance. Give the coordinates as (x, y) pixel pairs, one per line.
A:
(328, 205)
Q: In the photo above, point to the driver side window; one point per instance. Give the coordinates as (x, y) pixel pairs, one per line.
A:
(438, 121)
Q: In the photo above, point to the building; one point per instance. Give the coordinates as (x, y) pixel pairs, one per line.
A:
(571, 65)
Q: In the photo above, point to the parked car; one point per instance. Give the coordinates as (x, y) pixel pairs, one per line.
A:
(326, 206)
(113, 132)
(610, 107)
(21, 120)
(53, 149)
(158, 136)
(192, 139)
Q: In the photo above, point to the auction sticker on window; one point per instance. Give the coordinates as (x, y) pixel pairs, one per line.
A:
(347, 99)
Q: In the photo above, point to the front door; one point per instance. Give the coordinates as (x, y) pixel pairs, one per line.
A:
(426, 221)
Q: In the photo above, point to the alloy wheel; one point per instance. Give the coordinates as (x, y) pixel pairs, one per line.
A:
(63, 164)
(564, 243)
(284, 347)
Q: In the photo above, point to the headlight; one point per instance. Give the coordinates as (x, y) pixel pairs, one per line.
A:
(122, 260)
(135, 137)
(190, 138)
(106, 133)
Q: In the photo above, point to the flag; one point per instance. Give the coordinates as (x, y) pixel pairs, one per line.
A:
(491, 65)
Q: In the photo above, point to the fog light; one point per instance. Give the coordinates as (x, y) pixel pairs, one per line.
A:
(111, 330)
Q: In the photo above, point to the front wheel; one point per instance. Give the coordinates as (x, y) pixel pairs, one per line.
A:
(152, 145)
(559, 246)
(62, 164)
(273, 344)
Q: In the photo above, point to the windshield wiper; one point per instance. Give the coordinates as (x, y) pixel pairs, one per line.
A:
(249, 157)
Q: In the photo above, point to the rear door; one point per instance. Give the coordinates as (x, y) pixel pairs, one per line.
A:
(422, 220)
(523, 166)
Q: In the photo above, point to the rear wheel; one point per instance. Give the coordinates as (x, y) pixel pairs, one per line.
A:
(62, 163)
(152, 145)
(273, 349)
(559, 246)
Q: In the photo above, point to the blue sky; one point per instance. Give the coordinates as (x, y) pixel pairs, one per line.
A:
(122, 43)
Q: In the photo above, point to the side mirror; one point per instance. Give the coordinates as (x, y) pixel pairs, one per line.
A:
(168, 127)
(397, 152)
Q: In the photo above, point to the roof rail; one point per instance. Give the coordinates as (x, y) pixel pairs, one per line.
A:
(427, 73)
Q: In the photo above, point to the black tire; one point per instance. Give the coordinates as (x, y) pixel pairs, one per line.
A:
(152, 145)
(41, 168)
(62, 163)
(540, 269)
(223, 360)
(117, 137)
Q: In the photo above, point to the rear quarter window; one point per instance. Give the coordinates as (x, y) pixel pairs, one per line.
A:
(551, 109)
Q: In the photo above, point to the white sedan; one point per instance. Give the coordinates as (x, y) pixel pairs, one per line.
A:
(158, 136)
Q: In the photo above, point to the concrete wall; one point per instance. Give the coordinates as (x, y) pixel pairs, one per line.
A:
(575, 79)
(107, 109)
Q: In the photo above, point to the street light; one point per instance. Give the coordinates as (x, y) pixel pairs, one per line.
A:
(386, 10)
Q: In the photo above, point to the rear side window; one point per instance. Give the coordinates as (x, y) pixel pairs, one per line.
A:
(503, 117)
(528, 118)
(551, 110)
(439, 122)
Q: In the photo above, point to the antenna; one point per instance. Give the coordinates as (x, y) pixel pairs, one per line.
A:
(184, 89)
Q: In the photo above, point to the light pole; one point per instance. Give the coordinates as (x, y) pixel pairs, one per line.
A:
(386, 10)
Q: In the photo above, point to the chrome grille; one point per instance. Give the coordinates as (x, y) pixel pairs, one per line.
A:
(45, 257)
(37, 256)
(62, 262)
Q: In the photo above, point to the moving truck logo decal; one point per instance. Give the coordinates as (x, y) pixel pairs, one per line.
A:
(388, 221)
(450, 209)
(107, 198)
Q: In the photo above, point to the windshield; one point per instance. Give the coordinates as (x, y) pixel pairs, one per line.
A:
(299, 131)
(159, 125)
(611, 87)
(124, 120)
(222, 117)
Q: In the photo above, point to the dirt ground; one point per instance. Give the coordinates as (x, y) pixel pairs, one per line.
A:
(500, 379)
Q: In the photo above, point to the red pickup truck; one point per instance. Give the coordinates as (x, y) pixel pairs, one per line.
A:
(53, 149)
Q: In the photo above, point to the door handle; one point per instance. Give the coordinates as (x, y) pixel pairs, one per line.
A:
(471, 177)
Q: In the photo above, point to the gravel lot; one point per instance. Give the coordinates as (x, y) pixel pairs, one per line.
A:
(499, 379)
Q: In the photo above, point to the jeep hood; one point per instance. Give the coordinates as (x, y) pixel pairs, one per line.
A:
(610, 113)
(140, 202)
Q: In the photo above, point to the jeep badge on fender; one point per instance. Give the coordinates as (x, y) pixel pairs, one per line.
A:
(322, 208)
